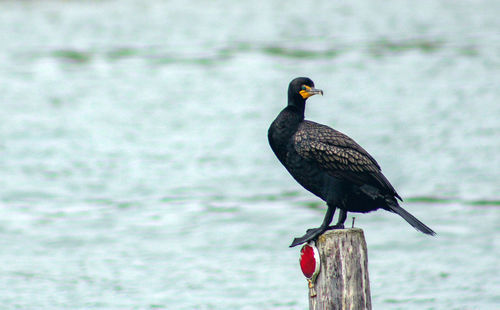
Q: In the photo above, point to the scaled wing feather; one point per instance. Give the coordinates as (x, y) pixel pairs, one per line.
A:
(339, 155)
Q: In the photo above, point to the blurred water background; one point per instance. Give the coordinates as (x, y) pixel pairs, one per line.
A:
(135, 169)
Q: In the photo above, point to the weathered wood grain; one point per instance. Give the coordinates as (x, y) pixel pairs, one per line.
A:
(343, 281)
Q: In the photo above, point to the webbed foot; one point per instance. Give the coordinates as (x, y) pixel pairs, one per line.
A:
(311, 234)
(337, 226)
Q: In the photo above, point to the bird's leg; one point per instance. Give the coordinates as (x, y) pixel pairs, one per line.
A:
(341, 221)
(313, 233)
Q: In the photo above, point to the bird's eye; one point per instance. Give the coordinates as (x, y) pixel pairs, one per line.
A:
(304, 87)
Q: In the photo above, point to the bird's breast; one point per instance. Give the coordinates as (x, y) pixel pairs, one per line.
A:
(306, 173)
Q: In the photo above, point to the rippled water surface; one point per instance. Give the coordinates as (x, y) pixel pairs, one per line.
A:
(135, 170)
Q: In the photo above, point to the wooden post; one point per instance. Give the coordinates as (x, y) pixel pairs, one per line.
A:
(343, 281)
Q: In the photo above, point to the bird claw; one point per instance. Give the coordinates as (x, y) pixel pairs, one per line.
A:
(311, 234)
(337, 226)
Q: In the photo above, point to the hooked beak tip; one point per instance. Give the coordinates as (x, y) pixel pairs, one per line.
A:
(317, 91)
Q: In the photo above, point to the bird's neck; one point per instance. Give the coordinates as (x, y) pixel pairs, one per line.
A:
(283, 128)
(290, 119)
(296, 104)
(298, 110)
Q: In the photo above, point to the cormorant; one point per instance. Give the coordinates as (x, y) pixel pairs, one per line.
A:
(330, 165)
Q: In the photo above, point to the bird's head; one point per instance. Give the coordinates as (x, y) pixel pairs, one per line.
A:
(299, 90)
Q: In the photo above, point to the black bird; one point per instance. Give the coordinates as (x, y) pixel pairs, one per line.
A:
(330, 165)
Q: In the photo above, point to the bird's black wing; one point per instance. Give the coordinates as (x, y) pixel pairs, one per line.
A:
(340, 156)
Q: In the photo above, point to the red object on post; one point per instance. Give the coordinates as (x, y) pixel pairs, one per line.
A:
(310, 261)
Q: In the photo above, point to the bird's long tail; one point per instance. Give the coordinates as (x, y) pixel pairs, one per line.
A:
(413, 221)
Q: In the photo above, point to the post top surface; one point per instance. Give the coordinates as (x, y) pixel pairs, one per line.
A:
(340, 232)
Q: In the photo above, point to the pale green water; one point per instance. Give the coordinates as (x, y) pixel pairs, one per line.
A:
(135, 170)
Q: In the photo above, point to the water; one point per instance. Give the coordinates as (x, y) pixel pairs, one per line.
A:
(136, 172)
